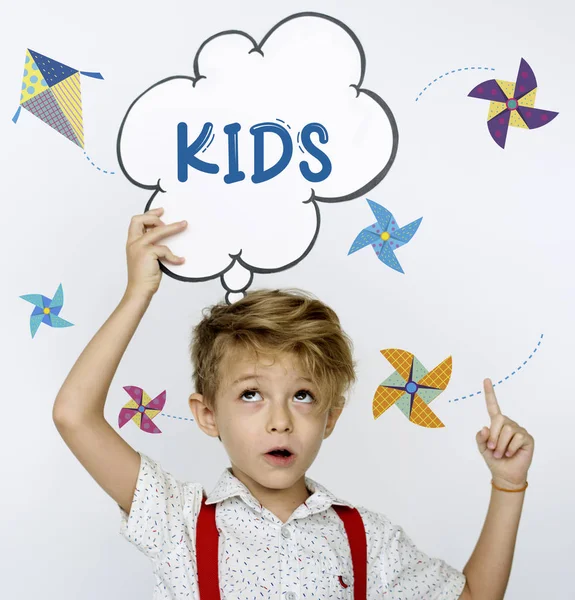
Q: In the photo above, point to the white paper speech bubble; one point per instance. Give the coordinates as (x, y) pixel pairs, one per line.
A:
(308, 69)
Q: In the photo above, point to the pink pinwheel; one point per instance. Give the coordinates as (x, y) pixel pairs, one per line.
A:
(141, 409)
(512, 104)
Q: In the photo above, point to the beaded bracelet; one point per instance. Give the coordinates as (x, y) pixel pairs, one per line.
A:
(504, 490)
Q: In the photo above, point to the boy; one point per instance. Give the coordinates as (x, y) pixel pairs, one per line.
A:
(270, 374)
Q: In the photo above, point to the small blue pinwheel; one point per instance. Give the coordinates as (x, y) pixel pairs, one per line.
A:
(385, 236)
(46, 310)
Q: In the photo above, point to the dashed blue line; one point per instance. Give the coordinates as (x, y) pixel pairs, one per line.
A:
(98, 168)
(449, 73)
(176, 417)
(505, 378)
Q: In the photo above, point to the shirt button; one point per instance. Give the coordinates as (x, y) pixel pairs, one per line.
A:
(286, 533)
(345, 581)
(291, 596)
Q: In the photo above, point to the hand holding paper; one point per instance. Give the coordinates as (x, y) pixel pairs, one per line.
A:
(144, 274)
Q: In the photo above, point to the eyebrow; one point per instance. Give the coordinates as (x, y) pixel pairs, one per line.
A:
(254, 376)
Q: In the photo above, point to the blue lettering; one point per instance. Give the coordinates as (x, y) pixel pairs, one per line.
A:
(234, 174)
(315, 152)
(260, 174)
(187, 154)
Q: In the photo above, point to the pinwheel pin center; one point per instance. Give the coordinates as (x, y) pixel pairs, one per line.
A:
(46, 311)
(385, 236)
(512, 104)
(411, 387)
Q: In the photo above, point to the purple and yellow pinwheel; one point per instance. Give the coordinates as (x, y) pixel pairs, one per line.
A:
(46, 310)
(142, 409)
(384, 236)
(512, 104)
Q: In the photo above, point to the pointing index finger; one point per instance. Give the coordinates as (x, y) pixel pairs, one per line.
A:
(491, 400)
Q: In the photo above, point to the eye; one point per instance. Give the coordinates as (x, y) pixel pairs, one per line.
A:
(302, 394)
(250, 395)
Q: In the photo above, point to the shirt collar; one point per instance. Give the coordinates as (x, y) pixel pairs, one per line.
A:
(229, 486)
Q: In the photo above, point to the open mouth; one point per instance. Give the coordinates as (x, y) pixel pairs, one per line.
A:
(284, 453)
(281, 457)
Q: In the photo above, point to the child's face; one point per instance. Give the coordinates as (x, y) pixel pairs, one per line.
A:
(262, 405)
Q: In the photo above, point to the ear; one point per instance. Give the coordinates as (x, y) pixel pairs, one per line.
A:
(332, 417)
(205, 418)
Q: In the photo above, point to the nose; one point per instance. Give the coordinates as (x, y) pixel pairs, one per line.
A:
(279, 418)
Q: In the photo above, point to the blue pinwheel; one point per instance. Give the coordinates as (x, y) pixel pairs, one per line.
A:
(385, 236)
(46, 310)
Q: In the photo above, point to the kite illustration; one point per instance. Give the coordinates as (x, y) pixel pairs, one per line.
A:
(51, 91)
(385, 236)
(142, 409)
(412, 388)
(46, 310)
(512, 104)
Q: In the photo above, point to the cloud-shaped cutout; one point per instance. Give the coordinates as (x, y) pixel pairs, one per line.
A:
(307, 70)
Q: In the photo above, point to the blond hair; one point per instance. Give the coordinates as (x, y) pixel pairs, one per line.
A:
(270, 322)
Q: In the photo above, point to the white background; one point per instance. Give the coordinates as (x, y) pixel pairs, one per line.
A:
(488, 272)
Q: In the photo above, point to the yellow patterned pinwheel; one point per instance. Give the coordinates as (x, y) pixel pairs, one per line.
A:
(412, 387)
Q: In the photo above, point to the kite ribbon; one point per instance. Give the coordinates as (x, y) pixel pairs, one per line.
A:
(15, 117)
(94, 75)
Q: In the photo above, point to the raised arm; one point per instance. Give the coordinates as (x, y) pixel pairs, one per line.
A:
(508, 451)
(78, 411)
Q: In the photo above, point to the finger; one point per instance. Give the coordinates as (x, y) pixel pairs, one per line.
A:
(497, 424)
(150, 221)
(507, 432)
(481, 438)
(157, 233)
(490, 399)
(517, 441)
(165, 253)
(139, 222)
(156, 223)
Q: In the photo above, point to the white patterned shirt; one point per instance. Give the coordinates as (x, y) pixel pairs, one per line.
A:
(261, 558)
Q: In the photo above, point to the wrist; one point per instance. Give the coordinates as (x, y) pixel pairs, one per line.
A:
(137, 296)
(511, 486)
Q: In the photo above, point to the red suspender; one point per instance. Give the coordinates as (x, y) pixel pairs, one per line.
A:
(355, 530)
(207, 550)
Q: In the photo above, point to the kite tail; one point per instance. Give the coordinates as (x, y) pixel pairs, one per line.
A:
(15, 117)
(94, 75)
